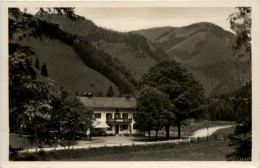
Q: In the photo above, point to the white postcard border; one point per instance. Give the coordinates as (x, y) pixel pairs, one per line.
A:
(255, 80)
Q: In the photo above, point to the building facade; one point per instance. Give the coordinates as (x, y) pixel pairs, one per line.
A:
(112, 115)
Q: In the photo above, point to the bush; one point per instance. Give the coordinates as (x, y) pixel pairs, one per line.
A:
(13, 152)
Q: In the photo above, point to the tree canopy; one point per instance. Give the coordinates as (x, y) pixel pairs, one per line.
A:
(34, 107)
(28, 96)
(68, 12)
(240, 23)
(184, 92)
(152, 109)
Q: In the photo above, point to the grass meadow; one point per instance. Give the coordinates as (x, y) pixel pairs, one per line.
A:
(212, 149)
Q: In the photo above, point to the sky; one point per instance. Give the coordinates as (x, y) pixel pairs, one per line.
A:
(134, 18)
(127, 19)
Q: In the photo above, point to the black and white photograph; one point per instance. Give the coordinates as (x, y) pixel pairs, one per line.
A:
(129, 83)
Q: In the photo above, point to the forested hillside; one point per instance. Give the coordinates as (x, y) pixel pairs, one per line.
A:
(96, 58)
(203, 48)
(133, 50)
(206, 50)
(46, 37)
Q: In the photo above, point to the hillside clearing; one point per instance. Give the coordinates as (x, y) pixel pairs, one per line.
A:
(67, 69)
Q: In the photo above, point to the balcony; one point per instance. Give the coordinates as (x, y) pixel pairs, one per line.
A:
(119, 120)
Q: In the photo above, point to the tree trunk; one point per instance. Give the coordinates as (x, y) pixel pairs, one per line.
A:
(90, 134)
(156, 135)
(69, 141)
(90, 126)
(69, 144)
(17, 128)
(167, 130)
(58, 136)
(179, 129)
(149, 134)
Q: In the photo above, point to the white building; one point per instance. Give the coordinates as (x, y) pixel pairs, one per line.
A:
(112, 115)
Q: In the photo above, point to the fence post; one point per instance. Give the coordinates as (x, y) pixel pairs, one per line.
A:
(189, 139)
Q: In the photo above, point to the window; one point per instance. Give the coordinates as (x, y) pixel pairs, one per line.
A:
(97, 115)
(125, 115)
(135, 126)
(117, 115)
(109, 115)
(125, 127)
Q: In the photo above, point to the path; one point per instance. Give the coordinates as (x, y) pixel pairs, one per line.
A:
(204, 132)
(110, 141)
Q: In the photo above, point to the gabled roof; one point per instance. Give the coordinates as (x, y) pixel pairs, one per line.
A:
(108, 102)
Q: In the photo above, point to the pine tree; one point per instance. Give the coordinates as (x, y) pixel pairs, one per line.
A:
(44, 71)
(110, 92)
(37, 66)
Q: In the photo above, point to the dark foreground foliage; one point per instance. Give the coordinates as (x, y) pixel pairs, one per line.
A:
(242, 139)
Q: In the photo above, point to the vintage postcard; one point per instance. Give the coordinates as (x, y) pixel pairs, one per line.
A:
(130, 84)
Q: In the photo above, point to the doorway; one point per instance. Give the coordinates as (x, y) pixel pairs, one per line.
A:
(117, 129)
